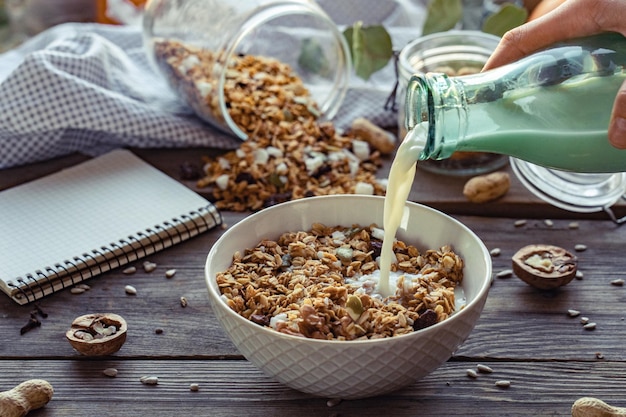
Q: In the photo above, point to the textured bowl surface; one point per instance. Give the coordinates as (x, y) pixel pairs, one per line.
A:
(352, 369)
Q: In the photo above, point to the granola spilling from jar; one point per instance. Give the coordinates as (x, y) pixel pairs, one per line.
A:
(290, 153)
(322, 284)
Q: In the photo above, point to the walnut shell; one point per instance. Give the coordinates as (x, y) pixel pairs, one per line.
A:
(97, 334)
(544, 266)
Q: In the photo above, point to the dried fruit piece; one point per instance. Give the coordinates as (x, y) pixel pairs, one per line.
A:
(544, 266)
(97, 334)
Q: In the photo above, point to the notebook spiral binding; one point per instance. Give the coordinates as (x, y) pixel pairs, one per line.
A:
(36, 285)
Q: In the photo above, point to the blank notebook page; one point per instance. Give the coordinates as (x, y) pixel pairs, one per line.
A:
(85, 207)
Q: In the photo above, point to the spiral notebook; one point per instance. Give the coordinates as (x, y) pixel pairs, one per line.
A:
(77, 223)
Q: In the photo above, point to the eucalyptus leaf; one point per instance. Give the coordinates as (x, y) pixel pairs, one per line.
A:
(442, 15)
(370, 46)
(507, 18)
(312, 57)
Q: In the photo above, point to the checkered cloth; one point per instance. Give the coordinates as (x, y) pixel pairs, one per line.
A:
(90, 88)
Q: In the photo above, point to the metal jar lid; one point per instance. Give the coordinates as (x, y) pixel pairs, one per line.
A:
(577, 192)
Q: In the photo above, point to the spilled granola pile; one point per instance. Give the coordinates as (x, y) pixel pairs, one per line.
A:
(322, 284)
(290, 153)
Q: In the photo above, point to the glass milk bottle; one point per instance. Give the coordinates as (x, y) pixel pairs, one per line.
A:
(454, 52)
(551, 108)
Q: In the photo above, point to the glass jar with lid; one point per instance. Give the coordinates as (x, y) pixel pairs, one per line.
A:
(456, 53)
(236, 62)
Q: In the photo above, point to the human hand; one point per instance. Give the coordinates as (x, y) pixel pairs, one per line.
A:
(572, 19)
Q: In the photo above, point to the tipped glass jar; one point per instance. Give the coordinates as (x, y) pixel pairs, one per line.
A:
(455, 53)
(237, 63)
(550, 109)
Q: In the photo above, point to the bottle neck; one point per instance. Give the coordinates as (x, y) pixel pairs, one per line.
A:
(440, 102)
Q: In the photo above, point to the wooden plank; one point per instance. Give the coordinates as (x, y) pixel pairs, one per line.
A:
(237, 388)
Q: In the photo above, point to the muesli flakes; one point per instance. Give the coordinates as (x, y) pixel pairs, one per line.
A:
(301, 283)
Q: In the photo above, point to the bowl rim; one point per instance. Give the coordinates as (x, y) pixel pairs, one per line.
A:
(456, 316)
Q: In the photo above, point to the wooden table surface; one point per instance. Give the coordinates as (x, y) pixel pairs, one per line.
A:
(524, 335)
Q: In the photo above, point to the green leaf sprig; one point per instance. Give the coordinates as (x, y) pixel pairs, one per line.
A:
(371, 46)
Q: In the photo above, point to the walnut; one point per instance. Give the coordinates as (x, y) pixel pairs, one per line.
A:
(97, 334)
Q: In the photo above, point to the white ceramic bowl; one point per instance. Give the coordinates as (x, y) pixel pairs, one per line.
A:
(351, 369)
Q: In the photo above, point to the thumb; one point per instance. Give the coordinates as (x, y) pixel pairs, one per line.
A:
(617, 124)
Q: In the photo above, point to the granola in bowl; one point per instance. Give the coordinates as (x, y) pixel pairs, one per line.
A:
(321, 284)
(352, 366)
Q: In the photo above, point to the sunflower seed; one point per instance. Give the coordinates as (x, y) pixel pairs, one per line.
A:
(149, 380)
(333, 402)
(580, 247)
(472, 373)
(170, 273)
(183, 302)
(129, 270)
(149, 266)
(589, 326)
(618, 282)
(520, 223)
(495, 252)
(194, 387)
(573, 225)
(548, 222)
(77, 290)
(130, 290)
(505, 273)
(112, 372)
(580, 274)
(484, 369)
(573, 313)
(503, 383)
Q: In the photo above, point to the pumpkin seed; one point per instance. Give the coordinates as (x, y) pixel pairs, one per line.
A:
(354, 307)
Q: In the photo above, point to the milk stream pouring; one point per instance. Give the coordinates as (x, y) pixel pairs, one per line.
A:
(551, 108)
